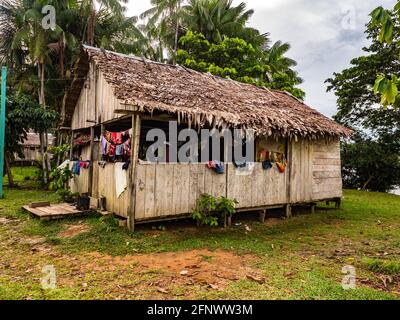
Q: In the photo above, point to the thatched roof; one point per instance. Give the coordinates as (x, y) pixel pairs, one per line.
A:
(204, 99)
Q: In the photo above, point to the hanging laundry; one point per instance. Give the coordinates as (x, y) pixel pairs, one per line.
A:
(102, 164)
(108, 136)
(240, 164)
(84, 164)
(263, 155)
(245, 170)
(119, 150)
(127, 148)
(126, 165)
(81, 140)
(111, 151)
(220, 168)
(103, 145)
(267, 165)
(121, 182)
(281, 166)
(211, 165)
(113, 137)
(63, 165)
(118, 138)
(76, 168)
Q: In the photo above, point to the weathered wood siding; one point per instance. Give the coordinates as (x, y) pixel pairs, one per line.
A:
(173, 189)
(258, 188)
(167, 190)
(80, 183)
(301, 171)
(104, 186)
(327, 177)
(96, 102)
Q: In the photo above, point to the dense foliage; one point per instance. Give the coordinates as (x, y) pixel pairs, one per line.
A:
(24, 114)
(239, 60)
(370, 164)
(371, 159)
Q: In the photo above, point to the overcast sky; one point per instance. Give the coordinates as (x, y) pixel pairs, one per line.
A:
(325, 35)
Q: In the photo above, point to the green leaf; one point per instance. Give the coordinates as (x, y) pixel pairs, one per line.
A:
(378, 83)
(397, 7)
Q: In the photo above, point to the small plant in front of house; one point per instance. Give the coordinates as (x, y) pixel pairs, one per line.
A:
(59, 178)
(226, 207)
(209, 210)
(59, 182)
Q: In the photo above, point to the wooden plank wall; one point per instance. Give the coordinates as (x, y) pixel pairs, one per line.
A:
(104, 186)
(165, 190)
(260, 188)
(96, 102)
(80, 183)
(301, 171)
(327, 178)
(173, 189)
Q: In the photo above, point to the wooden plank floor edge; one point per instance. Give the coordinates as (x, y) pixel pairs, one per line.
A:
(56, 211)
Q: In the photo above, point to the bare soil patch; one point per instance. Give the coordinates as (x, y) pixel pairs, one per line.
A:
(73, 230)
(215, 269)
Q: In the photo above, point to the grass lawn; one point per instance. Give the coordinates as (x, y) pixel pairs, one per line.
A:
(299, 258)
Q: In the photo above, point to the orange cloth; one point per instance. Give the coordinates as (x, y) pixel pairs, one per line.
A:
(281, 166)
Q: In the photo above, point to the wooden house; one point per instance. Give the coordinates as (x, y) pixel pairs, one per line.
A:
(116, 93)
(31, 149)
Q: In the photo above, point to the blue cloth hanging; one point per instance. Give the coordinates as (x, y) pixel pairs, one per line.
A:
(267, 165)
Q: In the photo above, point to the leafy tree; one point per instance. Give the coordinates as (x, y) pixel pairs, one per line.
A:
(23, 114)
(370, 159)
(387, 84)
(236, 59)
(370, 164)
(352, 86)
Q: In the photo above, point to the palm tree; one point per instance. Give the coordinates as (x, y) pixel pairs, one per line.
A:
(163, 20)
(218, 18)
(90, 15)
(279, 63)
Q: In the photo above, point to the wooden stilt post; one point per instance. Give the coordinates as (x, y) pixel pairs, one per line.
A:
(288, 211)
(313, 205)
(2, 125)
(262, 216)
(133, 170)
(338, 202)
(71, 150)
(91, 158)
(229, 221)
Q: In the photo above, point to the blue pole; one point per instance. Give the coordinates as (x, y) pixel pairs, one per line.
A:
(2, 125)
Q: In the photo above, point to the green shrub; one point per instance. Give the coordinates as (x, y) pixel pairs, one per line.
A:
(210, 210)
(59, 178)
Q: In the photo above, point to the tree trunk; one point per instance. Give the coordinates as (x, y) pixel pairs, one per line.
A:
(90, 28)
(367, 183)
(43, 140)
(59, 139)
(8, 169)
(176, 33)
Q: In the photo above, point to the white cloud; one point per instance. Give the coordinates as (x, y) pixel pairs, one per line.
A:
(325, 35)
